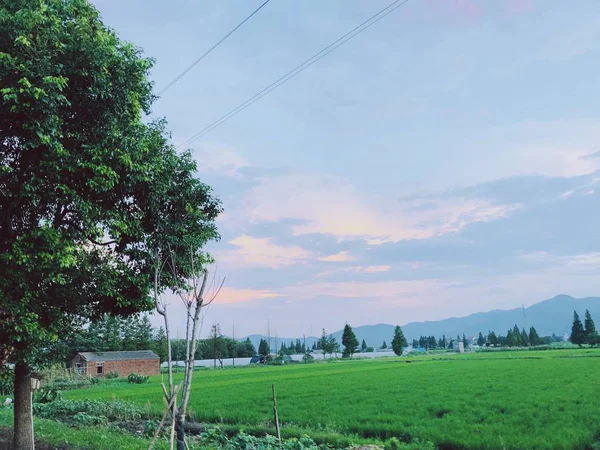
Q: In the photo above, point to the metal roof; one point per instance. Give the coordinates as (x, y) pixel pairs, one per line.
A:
(118, 356)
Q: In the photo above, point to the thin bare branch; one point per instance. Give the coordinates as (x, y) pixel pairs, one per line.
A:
(215, 293)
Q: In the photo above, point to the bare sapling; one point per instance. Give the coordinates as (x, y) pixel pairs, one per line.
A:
(197, 294)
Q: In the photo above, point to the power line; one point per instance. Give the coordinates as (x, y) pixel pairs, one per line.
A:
(299, 69)
(191, 66)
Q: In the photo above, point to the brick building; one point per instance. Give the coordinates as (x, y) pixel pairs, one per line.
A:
(98, 364)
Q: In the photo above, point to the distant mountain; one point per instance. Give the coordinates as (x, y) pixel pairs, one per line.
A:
(550, 316)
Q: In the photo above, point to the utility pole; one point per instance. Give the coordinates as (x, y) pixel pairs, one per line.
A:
(269, 334)
(305, 349)
(234, 345)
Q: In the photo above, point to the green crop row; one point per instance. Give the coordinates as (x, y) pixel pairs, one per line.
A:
(479, 401)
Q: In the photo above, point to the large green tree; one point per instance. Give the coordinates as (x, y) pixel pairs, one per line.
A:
(249, 349)
(160, 344)
(524, 340)
(349, 341)
(577, 331)
(91, 197)
(480, 340)
(399, 341)
(324, 343)
(263, 348)
(534, 338)
(590, 328)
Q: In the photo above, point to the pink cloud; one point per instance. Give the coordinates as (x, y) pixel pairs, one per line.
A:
(373, 269)
(330, 205)
(229, 295)
(252, 251)
(338, 257)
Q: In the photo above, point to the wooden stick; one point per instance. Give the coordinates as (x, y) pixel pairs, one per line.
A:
(166, 397)
(276, 416)
(167, 410)
(173, 423)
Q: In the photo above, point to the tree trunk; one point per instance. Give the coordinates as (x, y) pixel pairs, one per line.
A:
(180, 430)
(23, 417)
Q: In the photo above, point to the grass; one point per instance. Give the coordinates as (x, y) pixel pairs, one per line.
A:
(90, 438)
(513, 400)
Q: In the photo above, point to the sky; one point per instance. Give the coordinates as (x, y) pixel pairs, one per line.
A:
(445, 161)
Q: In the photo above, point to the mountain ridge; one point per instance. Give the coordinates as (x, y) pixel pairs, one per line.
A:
(551, 316)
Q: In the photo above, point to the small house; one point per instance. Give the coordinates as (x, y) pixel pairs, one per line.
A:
(98, 364)
(458, 346)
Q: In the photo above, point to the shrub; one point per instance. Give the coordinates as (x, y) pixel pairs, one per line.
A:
(215, 438)
(96, 411)
(150, 427)
(137, 379)
(63, 384)
(277, 361)
(308, 358)
(86, 420)
(393, 444)
(112, 375)
(7, 379)
(47, 396)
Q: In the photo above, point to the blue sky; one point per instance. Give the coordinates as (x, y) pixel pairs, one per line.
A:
(445, 161)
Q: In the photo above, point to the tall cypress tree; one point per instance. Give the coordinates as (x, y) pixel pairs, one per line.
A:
(349, 342)
(363, 346)
(399, 341)
(517, 336)
(577, 331)
(324, 343)
(524, 338)
(534, 338)
(590, 327)
(493, 339)
(143, 337)
(510, 338)
(249, 349)
(480, 340)
(263, 348)
(160, 344)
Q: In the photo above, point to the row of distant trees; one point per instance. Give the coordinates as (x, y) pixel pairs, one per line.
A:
(581, 333)
(350, 342)
(515, 338)
(110, 333)
(431, 343)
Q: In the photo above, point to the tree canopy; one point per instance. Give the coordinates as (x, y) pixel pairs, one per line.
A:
(577, 331)
(590, 327)
(91, 197)
(349, 341)
(399, 341)
(263, 348)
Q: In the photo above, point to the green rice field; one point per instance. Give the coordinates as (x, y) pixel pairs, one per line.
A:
(512, 400)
